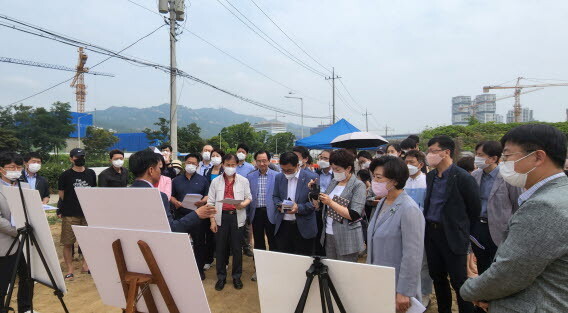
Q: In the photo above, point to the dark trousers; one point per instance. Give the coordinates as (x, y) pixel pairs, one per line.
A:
(261, 227)
(245, 241)
(443, 262)
(209, 243)
(24, 294)
(319, 249)
(229, 235)
(199, 247)
(289, 240)
(484, 256)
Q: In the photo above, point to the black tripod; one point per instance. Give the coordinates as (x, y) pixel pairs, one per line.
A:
(326, 285)
(26, 237)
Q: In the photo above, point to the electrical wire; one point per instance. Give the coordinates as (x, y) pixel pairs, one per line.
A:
(292, 40)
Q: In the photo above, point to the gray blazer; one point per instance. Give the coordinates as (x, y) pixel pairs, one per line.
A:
(530, 272)
(7, 231)
(396, 239)
(349, 238)
(502, 203)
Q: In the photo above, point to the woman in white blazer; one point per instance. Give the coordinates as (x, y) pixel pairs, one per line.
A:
(395, 237)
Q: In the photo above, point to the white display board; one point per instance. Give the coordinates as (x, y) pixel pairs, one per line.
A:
(128, 208)
(362, 288)
(173, 254)
(38, 220)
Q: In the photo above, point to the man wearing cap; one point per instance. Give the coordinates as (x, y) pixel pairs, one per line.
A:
(70, 211)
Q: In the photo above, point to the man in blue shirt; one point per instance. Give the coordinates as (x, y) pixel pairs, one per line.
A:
(206, 157)
(32, 163)
(192, 183)
(243, 169)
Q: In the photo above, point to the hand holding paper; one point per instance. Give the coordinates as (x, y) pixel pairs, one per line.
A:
(189, 201)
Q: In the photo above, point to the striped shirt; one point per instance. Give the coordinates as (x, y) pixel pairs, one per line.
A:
(262, 182)
(527, 194)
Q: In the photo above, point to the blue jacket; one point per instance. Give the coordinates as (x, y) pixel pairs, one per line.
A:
(184, 224)
(305, 217)
(253, 180)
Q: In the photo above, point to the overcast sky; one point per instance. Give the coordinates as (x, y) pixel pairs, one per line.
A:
(402, 60)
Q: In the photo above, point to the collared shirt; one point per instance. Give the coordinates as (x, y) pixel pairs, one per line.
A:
(5, 183)
(229, 194)
(485, 186)
(438, 196)
(527, 194)
(325, 179)
(110, 177)
(204, 167)
(292, 184)
(31, 179)
(416, 189)
(244, 169)
(262, 185)
(196, 184)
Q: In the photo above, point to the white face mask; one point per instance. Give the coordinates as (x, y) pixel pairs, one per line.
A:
(301, 163)
(507, 170)
(34, 167)
(412, 169)
(394, 154)
(480, 163)
(177, 170)
(290, 176)
(190, 168)
(206, 155)
(323, 164)
(230, 171)
(117, 163)
(339, 176)
(13, 175)
(241, 156)
(366, 165)
(215, 161)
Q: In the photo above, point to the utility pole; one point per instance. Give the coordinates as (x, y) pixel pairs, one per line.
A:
(176, 11)
(333, 78)
(301, 108)
(387, 128)
(366, 115)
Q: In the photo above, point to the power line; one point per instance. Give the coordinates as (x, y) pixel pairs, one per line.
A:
(350, 96)
(61, 83)
(292, 40)
(289, 55)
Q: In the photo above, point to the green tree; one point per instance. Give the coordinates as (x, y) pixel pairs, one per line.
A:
(189, 138)
(280, 142)
(162, 134)
(244, 133)
(8, 140)
(98, 141)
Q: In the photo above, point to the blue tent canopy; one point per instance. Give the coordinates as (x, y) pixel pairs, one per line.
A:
(322, 140)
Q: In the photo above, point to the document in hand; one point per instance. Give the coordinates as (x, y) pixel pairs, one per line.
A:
(189, 201)
(415, 306)
(231, 201)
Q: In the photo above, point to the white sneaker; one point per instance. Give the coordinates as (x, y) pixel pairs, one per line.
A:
(206, 266)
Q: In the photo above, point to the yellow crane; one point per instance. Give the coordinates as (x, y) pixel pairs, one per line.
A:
(518, 91)
(79, 81)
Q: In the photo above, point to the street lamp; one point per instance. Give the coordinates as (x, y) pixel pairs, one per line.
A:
(301, 109)
(79, 128)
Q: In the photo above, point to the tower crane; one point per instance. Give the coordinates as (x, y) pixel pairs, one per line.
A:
(518, 91)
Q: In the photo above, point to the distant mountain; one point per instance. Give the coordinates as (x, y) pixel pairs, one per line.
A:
(127, 119)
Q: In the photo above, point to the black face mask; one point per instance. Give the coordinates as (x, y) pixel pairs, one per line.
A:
(80, 161)
(566, 172)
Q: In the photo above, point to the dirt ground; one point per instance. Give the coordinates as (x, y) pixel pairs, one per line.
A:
(83, 297)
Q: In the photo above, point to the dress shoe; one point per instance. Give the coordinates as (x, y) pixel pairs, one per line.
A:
(253, 278)
(220, 285)
(238, 283)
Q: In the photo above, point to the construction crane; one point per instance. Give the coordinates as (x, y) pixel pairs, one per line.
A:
(473, 108)
(518, 91)
(46, 65)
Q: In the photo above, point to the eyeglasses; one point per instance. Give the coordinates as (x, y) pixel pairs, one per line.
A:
(434, 151)
(13, 168)
(504, 157)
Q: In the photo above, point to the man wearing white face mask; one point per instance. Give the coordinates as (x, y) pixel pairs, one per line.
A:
(498, 203)
(32, 164)
(451, 206)
(116, 175)
(529, 273)
(192, 184)
(244, 167)
(205, 164)
(303, 155)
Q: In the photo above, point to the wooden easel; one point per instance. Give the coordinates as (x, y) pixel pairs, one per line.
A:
(132, 282)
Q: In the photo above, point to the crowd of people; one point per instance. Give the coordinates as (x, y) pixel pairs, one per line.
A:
(496, 234)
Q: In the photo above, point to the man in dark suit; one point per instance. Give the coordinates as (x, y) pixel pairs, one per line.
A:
(451, 206)
(32, 164)
(295, 225)
(145, 167)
